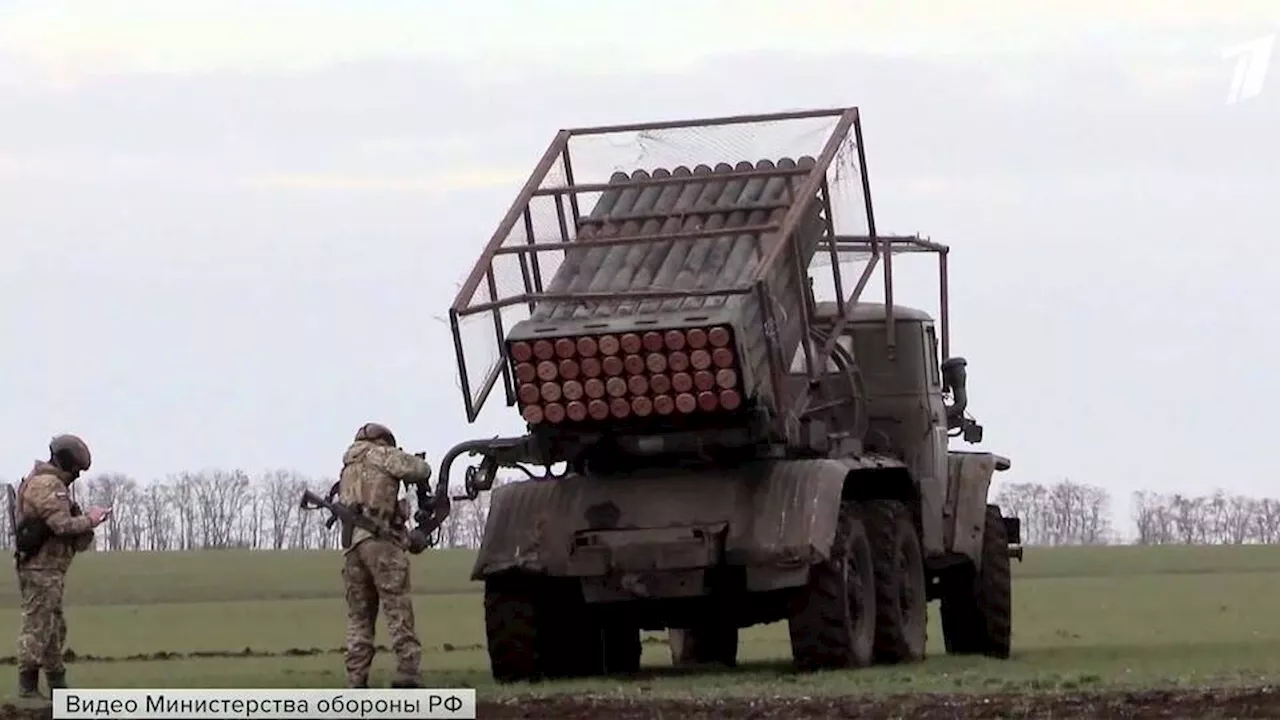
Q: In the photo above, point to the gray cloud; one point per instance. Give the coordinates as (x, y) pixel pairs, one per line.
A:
(1078, 116)
(1111, 284)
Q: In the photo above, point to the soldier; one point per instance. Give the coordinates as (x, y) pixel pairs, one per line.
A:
(376, 567)
(51, 529)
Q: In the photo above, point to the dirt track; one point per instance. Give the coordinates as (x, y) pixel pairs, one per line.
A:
(1234, 703)
(1261, 702)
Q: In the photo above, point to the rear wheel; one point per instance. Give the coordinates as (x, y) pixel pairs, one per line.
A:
(570, 639)
(706, 644)
(977, 607)
(535, 630)
(621, 649)
(510, 623)
(901, 604)
(833, 621)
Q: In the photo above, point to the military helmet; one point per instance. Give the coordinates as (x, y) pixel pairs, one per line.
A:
(375, 432)
(71, 452)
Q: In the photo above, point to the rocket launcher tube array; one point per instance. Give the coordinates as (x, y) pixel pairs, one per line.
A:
(704, 203)
(620, 375)
(632, 375)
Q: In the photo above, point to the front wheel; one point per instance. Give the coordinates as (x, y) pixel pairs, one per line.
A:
(977, 606)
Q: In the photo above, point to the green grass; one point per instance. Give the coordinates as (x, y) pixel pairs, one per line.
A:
(1084, 618)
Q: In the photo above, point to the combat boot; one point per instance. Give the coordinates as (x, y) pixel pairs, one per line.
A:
(29, 684)
(358, 683)
(406, 683)
(56, 680)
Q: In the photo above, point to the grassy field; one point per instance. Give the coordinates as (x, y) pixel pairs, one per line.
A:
(1084, 618)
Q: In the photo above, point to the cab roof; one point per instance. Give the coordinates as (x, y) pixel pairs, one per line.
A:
(872, 312)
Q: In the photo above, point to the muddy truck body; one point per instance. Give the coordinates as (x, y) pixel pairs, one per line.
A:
(718, 448)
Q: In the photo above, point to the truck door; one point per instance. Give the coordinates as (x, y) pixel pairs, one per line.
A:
(933, 459)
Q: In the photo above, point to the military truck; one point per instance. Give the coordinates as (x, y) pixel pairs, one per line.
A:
(718, 447)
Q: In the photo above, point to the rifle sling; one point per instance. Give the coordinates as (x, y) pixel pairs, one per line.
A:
(359, 518)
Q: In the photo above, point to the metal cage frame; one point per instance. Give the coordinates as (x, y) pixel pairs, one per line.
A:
(815, 185)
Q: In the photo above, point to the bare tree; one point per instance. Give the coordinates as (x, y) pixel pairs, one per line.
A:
(220, 497)
(1188, 519)
(118, 492)
(159, 518)
(282, 490)
(1266, 520)
(1065, 513)
(1152, 516)
(1238, 519)
(217, 509)
(1028, 501)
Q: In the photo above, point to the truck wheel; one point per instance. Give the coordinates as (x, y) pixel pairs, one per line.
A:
(621, 649)
(510, 624)
(902, 611)
(571, 640)
(535, 630)
(708, 644)
(977, 607)
(833, 621)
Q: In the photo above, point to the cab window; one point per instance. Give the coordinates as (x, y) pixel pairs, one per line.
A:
(931, 348)
(882, 374)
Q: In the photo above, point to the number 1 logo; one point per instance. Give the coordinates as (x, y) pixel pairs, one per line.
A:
(1251, 62)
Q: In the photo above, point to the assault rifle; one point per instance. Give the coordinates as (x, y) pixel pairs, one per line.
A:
(31, 535)
(350, 515)
(430, 515)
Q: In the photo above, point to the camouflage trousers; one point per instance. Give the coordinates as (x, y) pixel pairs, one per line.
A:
(44, 630)
(376, 573)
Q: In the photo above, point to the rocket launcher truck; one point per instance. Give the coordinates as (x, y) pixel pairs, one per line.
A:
(719, 447)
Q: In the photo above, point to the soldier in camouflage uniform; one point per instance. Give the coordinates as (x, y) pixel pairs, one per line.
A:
(44, 496)
(376, 568)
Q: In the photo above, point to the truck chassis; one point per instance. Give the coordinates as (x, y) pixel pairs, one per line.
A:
(769, 494)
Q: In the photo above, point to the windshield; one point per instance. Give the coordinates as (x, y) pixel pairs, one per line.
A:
(867, 343)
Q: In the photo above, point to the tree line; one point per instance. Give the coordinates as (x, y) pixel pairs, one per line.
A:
(231, 509)
(1070, 513)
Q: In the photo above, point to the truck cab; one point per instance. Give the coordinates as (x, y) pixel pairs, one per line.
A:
(895, 397)
(904, 378)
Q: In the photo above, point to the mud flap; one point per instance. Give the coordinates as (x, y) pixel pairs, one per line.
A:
(969, 482)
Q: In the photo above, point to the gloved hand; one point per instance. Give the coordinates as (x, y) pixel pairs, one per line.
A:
(418, 541)
(83, 542)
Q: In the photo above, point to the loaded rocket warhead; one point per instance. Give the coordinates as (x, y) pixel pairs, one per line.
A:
(627, 375)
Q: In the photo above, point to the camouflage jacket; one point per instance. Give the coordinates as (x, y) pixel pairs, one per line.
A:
(43, 493)
(371, 477)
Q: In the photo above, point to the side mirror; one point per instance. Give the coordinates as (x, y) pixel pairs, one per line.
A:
(972, 433)
(953, 381)
(953, 374)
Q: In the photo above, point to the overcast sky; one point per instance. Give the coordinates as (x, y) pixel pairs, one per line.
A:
(232, 229)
